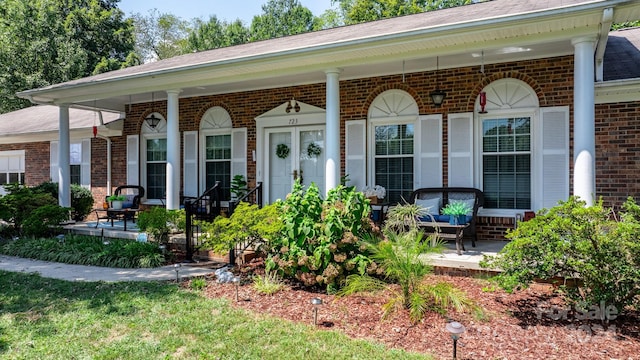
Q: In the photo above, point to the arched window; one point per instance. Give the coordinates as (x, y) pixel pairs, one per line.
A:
(215, 130)
(392, 117)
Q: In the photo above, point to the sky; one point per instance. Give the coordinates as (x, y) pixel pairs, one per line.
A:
(228, 10)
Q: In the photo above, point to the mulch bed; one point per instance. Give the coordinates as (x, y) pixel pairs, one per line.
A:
(528, 324)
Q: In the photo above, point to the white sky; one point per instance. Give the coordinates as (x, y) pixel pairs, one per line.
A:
(228, 10)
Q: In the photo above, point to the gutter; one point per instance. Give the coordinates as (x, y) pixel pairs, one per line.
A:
(601, 44)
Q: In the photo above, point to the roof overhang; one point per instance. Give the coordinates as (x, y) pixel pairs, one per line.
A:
(384, 47)
(617, 91)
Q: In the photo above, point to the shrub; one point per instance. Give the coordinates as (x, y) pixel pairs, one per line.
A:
(247, 223)
(81, 198)
(572, 241)
(320, 242)
(159, 222)
(20, 204)
(45, 221)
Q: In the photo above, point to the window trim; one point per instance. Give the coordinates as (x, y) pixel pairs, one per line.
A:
(534, 115)
(143, 163)
(371, 142)
(204, 133)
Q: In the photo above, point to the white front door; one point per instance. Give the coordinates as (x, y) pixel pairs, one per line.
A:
(304, 159)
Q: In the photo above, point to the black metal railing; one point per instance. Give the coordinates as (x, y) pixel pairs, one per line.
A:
(205, 207)
(253, 196)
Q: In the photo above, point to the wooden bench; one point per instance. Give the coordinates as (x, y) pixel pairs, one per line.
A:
(442, 196)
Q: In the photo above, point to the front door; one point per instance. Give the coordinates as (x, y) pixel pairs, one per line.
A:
(293, 153)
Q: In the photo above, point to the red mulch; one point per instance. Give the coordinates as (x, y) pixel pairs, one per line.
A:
(519, 325)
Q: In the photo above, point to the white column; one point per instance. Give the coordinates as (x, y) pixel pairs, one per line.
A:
(64, 169)
(584, 143)
(332, 135)
(173, 150)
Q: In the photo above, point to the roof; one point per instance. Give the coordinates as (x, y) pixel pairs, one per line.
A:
(622, 56)
(538, 28)
(40, 123)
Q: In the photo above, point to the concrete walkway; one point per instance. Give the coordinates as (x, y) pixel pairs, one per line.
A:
(96, 273)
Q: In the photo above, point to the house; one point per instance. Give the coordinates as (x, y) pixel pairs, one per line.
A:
(29, 145)
(529, 101)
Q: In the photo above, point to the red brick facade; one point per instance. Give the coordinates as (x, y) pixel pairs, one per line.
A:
(617, 125)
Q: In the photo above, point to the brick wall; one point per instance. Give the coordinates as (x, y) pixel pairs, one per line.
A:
(617, 125)
(617, 152)
(36, 160)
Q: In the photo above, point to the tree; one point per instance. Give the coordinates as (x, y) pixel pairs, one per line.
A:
(358, 11)
(57, 41)
(215, 34)
(160, 35)
(281, 18)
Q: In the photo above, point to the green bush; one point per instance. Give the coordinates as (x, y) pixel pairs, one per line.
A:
(45, 221)
(247, 223)
(571, 241)
(81, 198)
(159, 222)
(20, 203)
(320, 240)
(87, 250)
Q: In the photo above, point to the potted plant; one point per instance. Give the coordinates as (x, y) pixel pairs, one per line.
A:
(116, 201)
(457, 211)
(238, 187)
(374, 193)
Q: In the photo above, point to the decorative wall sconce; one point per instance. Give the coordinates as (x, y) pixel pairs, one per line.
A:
(437, 96)
(295, 107)
(152, 120)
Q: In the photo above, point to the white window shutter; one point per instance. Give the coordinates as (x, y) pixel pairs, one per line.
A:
(460, 139)
(555, 155)
(85, 165)
(239, 152)
(429, 152)
(133, 156)
(53, 161)
(356, 153)
(190, 175)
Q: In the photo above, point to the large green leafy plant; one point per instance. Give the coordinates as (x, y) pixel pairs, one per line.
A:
(572, 241)
(320, 242)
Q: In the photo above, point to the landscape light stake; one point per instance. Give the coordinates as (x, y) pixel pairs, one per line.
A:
(177, 267)
(455, 329)
(316, 302)
(236, 280)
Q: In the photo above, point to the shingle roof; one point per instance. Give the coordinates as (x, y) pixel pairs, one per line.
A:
(490, 11)
(622, 55)
(44, 118)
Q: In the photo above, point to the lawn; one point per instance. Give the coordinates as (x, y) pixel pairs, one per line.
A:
(43, 318)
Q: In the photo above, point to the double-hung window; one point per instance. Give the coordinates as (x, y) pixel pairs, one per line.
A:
(506, 162)
(156, 156)
(75, 163)
(393, 161)
(218, 162)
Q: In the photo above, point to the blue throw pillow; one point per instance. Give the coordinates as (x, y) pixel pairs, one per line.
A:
(127, 205)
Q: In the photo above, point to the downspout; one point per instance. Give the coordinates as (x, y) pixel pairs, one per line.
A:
(108, 139)
(601, 43)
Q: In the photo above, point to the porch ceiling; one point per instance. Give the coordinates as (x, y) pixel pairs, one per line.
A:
(525, 30)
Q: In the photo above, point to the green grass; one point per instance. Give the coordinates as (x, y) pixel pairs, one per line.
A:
(52, 319)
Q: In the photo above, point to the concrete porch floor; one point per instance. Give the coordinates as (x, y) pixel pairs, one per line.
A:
(470, 258)
(468, 261)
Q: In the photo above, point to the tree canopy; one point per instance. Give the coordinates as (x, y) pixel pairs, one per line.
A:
(281, 18)
(59, 40)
